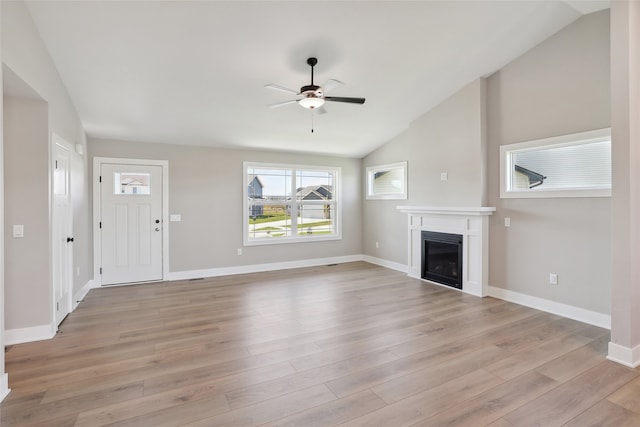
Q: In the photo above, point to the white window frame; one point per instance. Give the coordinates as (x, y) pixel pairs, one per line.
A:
(401, 194)
(506, 160)
(294, 238)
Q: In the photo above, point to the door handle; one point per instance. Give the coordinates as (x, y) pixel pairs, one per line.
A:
(69, 239)
(157, 229)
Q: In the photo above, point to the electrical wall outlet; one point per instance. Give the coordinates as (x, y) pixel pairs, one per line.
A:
(239, 251)
(377, 245)
(553, 279)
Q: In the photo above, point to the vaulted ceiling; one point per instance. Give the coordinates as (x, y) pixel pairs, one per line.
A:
(193, 72)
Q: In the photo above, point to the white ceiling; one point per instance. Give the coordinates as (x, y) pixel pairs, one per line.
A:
(193, 73)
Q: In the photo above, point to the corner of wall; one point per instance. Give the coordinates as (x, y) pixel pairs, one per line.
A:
(4, 379)
(625, 356)
(4, 386)
(29, 334)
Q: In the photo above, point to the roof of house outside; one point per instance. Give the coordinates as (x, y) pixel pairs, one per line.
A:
(315, 192)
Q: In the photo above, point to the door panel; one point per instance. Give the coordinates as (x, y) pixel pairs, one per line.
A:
(131, 219)
(62, 238)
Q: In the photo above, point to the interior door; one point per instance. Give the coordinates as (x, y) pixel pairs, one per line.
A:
(130, 223)
(62, 251)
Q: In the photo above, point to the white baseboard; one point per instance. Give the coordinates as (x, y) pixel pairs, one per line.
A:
(4, 386)
(34, 333)
(79, 296)
(625, 356)
(258, 268)
(42, 332)
(564, 310)
(385, 263)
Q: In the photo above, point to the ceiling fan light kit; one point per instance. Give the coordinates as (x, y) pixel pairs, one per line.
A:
(311, 102)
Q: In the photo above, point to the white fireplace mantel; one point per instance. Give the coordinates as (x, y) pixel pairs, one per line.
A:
(469, 211)
(470, 222)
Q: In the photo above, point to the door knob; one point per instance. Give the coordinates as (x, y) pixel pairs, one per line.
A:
(157, 229)
(69, 239)
(157, 221)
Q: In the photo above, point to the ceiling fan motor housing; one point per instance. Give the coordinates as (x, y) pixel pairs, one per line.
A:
(311, 90)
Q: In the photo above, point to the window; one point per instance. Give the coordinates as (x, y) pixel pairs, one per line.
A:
(387, 181)
(576, 165)
(131, 183)
(285, 203)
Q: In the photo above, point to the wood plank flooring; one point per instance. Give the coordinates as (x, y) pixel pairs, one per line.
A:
(352, 345)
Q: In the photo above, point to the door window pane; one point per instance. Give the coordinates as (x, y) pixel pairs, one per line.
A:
(125, 183)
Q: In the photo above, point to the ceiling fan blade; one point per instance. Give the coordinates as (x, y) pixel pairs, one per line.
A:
(344, 99)
(331, 84)
(282, 88)
(280, 104)
(320, 110)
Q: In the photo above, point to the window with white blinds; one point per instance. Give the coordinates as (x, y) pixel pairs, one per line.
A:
(576, 165)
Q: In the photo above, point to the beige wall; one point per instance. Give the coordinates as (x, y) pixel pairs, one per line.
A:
(559, 87)
(205, 188)
(4, 386)
(26, 167)
(24, 53)
(625, 128)
(450, 138)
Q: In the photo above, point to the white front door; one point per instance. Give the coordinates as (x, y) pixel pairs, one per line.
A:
(62, 238)
(130, 223)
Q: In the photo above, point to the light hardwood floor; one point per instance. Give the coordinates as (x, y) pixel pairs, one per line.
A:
(351, 344)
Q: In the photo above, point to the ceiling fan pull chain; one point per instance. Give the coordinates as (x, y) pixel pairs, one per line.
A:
(311, 111)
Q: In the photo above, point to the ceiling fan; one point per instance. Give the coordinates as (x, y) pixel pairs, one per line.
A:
(312, 96)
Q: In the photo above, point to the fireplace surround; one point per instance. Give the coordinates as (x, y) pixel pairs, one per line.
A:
(472, 223)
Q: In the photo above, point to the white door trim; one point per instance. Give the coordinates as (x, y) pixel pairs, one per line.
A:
(97, 244)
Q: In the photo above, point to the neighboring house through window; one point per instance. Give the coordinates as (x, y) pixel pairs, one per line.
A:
(290, 203)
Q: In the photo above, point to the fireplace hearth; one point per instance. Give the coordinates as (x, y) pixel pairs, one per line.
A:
(442, 258)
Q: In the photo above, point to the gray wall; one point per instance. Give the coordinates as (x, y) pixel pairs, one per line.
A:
(450, 138)
(205, 187)
(559, 87)
(25, 54)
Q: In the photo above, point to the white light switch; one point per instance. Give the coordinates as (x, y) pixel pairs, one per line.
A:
(507, 222)
(175, 217)
(444, 176)
(18, 231)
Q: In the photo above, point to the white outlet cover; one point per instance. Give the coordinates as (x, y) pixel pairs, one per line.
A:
(444, 176)
(175, 217)
(18, 231)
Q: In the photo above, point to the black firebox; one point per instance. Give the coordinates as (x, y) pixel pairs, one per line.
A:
(442, 258)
